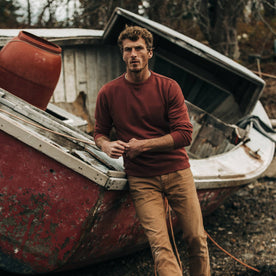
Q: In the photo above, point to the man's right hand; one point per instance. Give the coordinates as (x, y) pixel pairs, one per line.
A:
(113, 149)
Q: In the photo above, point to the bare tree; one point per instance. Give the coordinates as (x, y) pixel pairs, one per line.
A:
(269, 8)
(47, 16)
(9, 14)
(217, 20)
(29, 13)
(95, 14)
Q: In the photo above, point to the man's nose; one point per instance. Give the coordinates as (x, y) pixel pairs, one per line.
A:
(133, 52)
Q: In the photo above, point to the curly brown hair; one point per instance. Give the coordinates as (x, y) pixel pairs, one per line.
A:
(134, 33)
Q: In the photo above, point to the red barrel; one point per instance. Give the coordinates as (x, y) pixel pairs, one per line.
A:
(30, 67)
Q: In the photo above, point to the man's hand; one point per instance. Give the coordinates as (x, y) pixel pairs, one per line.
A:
(114, 149)
(135, 147)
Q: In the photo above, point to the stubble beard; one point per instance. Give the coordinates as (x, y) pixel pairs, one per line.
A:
(137, 70)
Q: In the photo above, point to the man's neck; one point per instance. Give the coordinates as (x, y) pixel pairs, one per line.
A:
(137, 77)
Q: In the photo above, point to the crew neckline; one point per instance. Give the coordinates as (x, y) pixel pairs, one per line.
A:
(137, 83)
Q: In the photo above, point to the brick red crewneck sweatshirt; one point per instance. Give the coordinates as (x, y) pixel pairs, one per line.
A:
(150, 109)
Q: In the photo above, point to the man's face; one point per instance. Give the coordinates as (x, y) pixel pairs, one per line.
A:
(136, 55)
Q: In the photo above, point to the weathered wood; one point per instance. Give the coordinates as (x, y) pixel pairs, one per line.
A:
(86, 68)
(92, 77)
(57, 140)
(104, 158)
(69, 75)
(46, 146)
(45, 120)
(273, 122)
(59, 92)
(81, 73)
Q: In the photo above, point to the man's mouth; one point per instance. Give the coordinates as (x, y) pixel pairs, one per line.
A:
(134, 62)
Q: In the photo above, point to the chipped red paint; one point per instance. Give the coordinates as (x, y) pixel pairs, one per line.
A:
(52, 218)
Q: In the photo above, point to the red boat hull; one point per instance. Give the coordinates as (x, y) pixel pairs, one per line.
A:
(52, 218)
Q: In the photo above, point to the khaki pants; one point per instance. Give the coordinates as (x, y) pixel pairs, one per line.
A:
(179, 188)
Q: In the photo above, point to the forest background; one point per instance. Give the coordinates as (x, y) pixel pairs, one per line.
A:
(244, 30)
(240, 29)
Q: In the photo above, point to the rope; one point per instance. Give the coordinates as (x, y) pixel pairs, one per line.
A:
(214, 242)
(244, 264)
(47, 129)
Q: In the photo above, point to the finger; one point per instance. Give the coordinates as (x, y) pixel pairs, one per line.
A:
(118, 149)
(121, 143)
(119, 146)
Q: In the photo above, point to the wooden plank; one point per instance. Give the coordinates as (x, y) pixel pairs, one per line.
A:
(102, 63)
(117, 174)
(92, 77)
(43, 139)
(81, 73)
(48, 122)
(89, 159)
(59, 92)
(116, 184)
(69, 75)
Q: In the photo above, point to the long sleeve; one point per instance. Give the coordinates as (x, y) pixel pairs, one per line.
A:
(103, 120)
(180, 125)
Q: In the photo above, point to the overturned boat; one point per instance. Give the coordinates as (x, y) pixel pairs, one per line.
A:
(65, 204)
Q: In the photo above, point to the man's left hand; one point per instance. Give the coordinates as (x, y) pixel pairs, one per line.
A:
(135, 147)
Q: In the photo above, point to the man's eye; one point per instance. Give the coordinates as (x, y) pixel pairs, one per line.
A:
(127, 49)
(139, 48)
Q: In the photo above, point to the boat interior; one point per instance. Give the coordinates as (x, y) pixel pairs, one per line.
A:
(211, 136)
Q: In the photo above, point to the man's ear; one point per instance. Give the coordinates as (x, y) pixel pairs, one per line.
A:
(150, 53)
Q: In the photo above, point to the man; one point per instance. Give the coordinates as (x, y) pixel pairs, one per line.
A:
(153, 127)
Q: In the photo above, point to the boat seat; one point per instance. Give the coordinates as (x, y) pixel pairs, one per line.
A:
(211, 136)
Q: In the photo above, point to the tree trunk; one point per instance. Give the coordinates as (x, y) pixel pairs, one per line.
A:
(217, 20)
